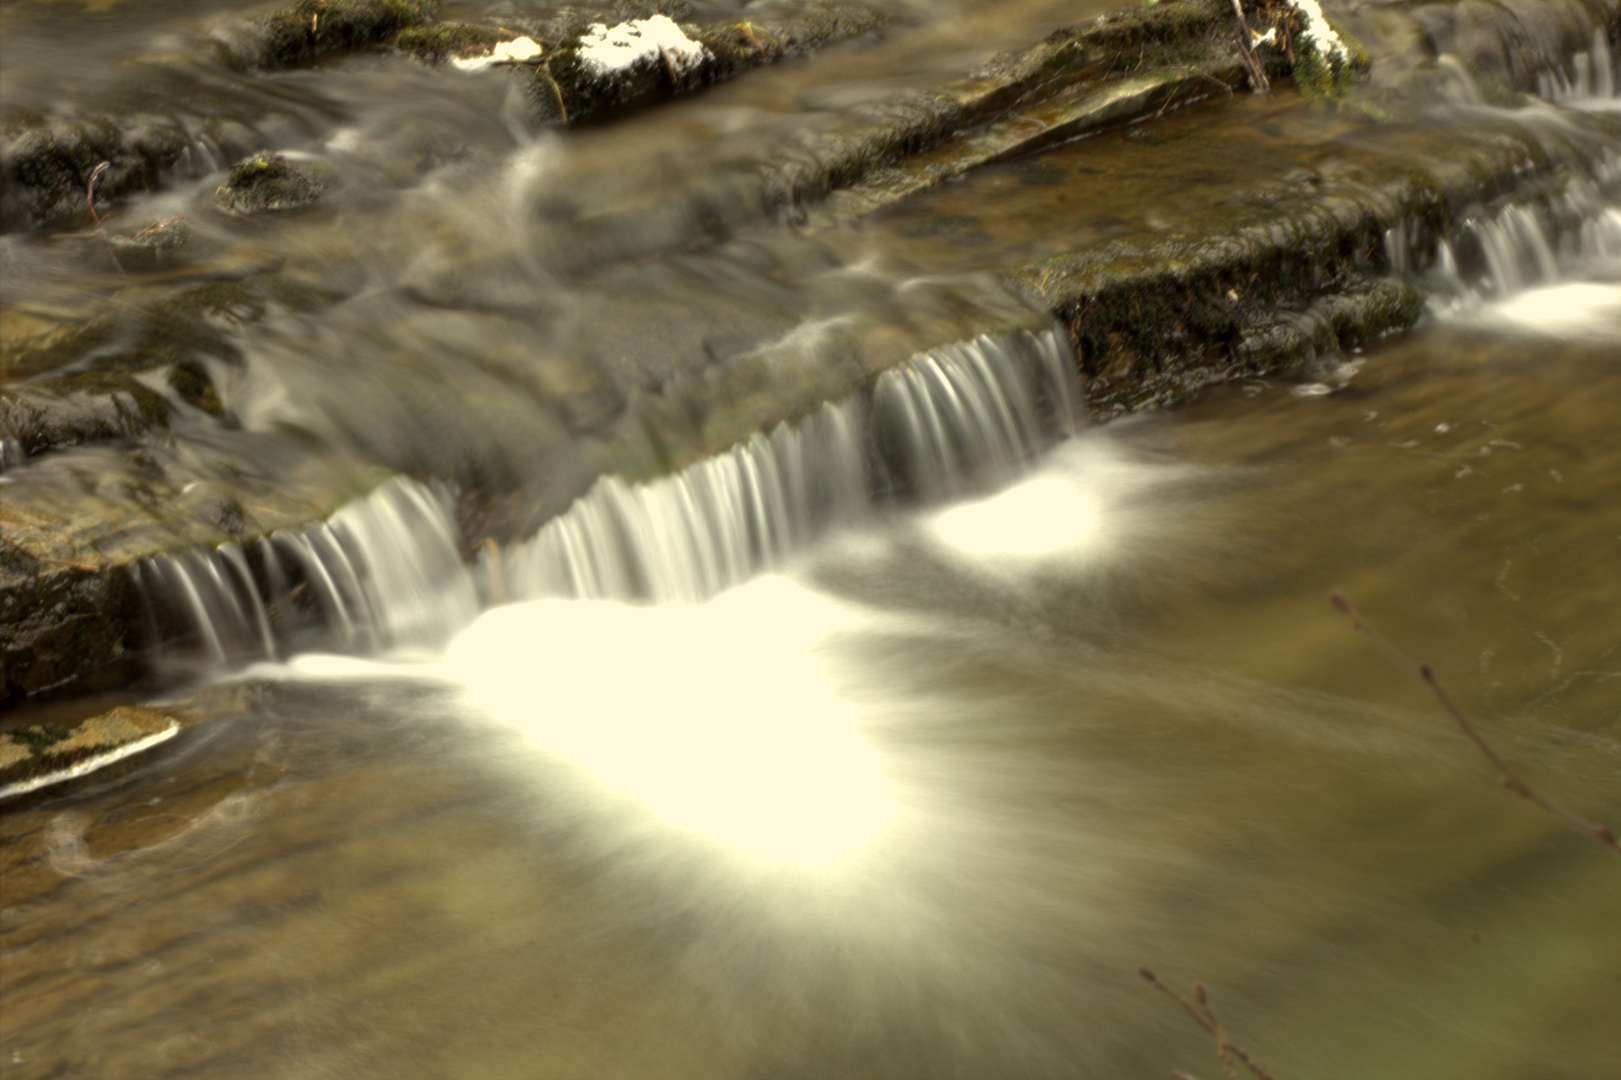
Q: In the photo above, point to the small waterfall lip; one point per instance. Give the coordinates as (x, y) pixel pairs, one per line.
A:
(12, 453)
(1491, 256)
(1587, 77)
(385, 571)
(945, 422)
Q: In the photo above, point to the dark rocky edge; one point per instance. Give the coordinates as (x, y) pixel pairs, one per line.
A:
(47, 159)
(1260, 286)
(313, 28)
(566, 89)
(207, 98)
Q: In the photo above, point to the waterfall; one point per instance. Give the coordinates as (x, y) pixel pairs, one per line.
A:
(1518, 247)
(959, 416)
(383, 572)
(690, 535)
(12, 453)
(1592, 75)
(939, 424)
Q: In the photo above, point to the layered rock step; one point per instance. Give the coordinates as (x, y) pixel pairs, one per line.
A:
(139, 428)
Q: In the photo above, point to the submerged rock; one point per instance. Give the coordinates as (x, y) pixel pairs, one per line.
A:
(38, 756)
(267, 182)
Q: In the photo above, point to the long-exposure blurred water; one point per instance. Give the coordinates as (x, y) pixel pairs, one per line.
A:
(922, 804)
(920, 797)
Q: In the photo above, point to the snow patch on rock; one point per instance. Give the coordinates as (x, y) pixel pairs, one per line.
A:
(607, 50)
(1319, 33)
(508, 52)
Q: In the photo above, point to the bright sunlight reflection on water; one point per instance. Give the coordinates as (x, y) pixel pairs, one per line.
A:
(1573, 310)
(718, 717)
(728, 727)
(1043, 515)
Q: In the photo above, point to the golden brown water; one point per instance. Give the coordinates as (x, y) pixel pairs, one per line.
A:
(923, 805)
(1155, 746)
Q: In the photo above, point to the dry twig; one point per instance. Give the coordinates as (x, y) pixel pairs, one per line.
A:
(1246, 53)
(1505, 775)
(1229, 1054)
(90, 204)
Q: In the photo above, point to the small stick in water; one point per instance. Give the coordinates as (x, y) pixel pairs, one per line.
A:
(1227, 1052)
(90, 204)
(1505, 775)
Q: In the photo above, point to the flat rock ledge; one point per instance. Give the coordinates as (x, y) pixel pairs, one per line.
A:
(34, 757)
(1262, 286)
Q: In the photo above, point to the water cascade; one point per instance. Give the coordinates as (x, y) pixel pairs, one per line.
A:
(1592, 75)
(946, 419)
(966, 414)
(382, 573)
(710, 526)
(1520, 246)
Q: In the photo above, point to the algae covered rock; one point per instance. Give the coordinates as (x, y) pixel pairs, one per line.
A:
(311, 28)
(438, 42)
(36, 756)
(267, 182)
(606, 66)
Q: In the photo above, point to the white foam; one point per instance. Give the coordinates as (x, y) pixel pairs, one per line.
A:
(1036, 518)
(720, 718)
(607, 50)
(1574, 310)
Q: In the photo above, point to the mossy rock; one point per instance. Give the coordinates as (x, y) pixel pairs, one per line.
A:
(438, 42)
(311, 28)
(35, 756)
(48, 162)
(266, 182)
(58, 622)
(567, 88)
(156, 247)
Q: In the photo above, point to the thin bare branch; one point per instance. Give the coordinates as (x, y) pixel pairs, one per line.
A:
(1227, 1052)
(90, 204)
(1246, 53)
(1505, 776)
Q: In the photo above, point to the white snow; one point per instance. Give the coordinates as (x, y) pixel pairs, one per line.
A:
(508, 52)
(607, 50)
(1319, 33)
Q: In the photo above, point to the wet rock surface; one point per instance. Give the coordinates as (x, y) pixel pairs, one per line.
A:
(267, 181)
(36, 756)
(211, 368)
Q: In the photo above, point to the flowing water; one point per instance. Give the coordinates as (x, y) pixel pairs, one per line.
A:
(892, 741)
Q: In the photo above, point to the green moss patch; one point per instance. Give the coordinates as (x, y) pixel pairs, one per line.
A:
(311, 28)
(266, 182)
(438, 42)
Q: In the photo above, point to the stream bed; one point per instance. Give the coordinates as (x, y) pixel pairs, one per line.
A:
(923, 802)
(890, 742)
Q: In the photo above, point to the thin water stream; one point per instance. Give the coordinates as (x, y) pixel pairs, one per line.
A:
(892, 741)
